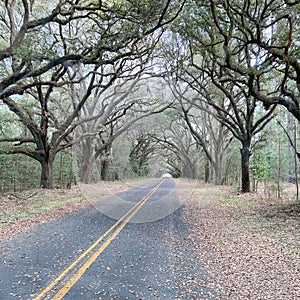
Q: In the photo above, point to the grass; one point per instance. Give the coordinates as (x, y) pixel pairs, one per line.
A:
(7, 217)
(21, 210)
(235, 201)
(40, 207)
(25, 209)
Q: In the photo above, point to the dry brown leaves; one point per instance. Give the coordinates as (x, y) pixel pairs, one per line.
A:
(55, 203)
(248, 245)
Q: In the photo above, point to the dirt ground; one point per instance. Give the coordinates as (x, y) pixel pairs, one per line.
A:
(249, 244)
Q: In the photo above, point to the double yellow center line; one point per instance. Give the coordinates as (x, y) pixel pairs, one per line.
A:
(89, 255)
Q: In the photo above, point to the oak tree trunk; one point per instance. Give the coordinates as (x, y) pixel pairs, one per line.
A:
(88, 162)
(47, 171)
(245, 152)
(85, 173)
(105, 170)
(206, 171)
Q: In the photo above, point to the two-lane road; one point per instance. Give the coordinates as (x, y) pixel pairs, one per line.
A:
(130, 246)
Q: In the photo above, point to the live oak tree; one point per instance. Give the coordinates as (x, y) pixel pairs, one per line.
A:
(201, 66)
(178, 141)
(210, 134)
(237, 111)
(163, 138)
(267, 33)
(213, 137)
(41, 48)
(143, 152)
(179, 150)
(232, 107)
(17, 172)
(89, 32)
(134, 153)
(110, 102)
(257, 46)
(137, 105)
(143, 149)
(158, 144)
(146, 120)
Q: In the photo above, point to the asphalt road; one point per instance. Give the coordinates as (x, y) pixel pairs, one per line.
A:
(145, 255)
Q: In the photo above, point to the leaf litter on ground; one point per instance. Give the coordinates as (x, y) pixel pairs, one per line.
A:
(22, 210)
(249, 245)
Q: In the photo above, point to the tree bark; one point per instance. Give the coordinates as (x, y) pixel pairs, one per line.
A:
(245, 152)
(218, 169)
(47, 171)
(88, 161)
(206, 170)
(105, 170)
(85, 173)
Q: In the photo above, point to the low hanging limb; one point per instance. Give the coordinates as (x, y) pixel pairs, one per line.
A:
(23, 198)
(290, 139)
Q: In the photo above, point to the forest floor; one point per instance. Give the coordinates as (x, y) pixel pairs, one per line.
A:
(249, 244)
(21, 210)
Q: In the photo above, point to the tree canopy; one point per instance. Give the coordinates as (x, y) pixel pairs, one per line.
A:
(83, 74)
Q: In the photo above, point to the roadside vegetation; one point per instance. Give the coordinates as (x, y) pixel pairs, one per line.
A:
(22, 210)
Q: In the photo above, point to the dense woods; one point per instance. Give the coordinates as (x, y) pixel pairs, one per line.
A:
(107, 90)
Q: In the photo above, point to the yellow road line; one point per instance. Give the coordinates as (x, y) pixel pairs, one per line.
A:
(92, 259)
(86, 265)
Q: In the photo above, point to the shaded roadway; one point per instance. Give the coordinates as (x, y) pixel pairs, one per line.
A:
(151, 260)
